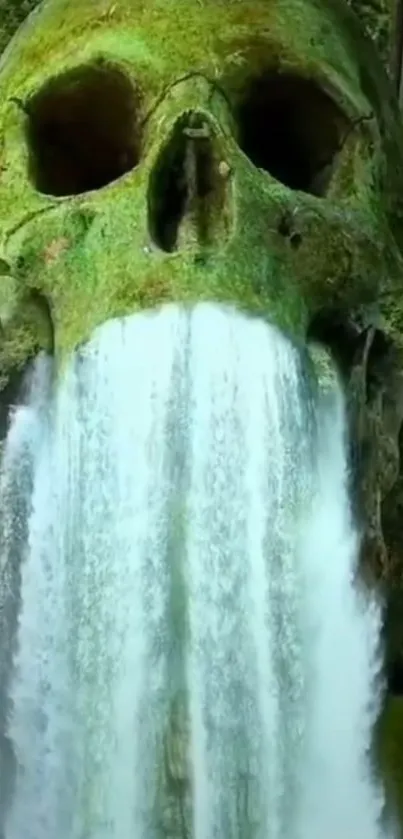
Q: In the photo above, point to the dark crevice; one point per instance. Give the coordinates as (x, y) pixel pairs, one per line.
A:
(16, 392)
(391, 637)
(37, 311)
(168, 193)
(83, 130)
(186, 187)
(292, 129)
(39, 305)
(392, 507)
(12, 394)
(353, 342)
(395, 678)
(339, 333)
(286, 230)
(380, 362)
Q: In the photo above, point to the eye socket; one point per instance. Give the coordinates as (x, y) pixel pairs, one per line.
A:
(292, 129)
(82, 130)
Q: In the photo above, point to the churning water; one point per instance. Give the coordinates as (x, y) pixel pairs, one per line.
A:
(184, 651)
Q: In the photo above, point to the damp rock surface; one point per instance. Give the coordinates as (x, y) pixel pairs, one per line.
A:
(213, 182)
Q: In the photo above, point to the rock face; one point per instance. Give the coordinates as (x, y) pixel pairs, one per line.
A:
(379, 19)
(12, 14)
(233, 150)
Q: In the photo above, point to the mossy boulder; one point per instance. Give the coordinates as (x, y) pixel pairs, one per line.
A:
(243, 151)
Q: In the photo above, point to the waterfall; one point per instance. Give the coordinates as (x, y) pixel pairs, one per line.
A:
(187, 652)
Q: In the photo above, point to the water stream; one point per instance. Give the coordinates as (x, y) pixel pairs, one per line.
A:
(185, 650)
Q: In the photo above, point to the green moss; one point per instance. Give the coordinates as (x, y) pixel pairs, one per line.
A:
(12, 14)
(233, 34)
(28, 332)
(378, 19)
(92, 257)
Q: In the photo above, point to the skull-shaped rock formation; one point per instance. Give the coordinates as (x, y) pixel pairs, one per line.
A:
(247, 151)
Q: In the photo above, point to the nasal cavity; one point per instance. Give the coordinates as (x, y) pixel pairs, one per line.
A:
(188, 196)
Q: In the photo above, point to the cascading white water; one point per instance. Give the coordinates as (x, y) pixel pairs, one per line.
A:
(192, 655)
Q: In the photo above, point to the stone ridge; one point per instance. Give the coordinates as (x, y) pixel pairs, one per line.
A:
(377, 16)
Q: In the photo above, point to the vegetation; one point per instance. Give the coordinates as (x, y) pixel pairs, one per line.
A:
(12, 14)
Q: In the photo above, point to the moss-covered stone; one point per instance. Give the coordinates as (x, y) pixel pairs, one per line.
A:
(85, 237)
(379, 18)
(389, 747)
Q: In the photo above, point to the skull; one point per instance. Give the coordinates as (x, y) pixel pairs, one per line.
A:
(244, 151)
(231, 150)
